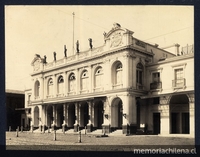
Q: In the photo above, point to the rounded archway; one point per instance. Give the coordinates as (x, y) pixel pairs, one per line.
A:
(37, 89)
(36, 116)
(116, 74)
(98, 114)
(116, 113)
(49, 115)
(179, 114)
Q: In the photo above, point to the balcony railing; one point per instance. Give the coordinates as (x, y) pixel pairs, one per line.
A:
(178, 83)
(155, 85)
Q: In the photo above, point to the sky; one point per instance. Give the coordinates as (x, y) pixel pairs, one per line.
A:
(31, 30)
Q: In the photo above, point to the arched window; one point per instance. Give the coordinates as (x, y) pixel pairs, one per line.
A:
(84, 80)
(50, 87)
(139, 74)
(37, 89)
(118, 72)
(72, 82)
(98, 77)
(60, 84)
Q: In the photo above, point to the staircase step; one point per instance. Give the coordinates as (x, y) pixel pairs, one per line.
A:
(117, 132)
(98, 131)
(70, 131)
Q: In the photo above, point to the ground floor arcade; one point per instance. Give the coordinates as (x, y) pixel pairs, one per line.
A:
(169, 114)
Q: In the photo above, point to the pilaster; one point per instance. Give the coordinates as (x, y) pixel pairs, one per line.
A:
(55, 85)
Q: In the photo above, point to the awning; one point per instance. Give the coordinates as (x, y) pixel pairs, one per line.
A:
(22, 109)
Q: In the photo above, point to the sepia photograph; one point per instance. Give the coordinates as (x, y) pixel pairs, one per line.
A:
(100, 78)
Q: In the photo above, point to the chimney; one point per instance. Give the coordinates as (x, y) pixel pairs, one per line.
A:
(177, 49)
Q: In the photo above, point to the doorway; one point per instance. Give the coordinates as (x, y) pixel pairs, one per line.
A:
(156, 123)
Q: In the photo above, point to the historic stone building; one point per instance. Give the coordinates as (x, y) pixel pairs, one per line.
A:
(125, 84)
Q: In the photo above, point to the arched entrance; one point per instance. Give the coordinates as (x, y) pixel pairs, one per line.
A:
(98, 114)
(60, 117)
(84, 118)
(49, 115)
(36, 117)
(71, 115)
(116, 114)
(179, 114)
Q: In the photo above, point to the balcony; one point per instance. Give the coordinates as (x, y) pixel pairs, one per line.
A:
(179, 83)
(155, 85)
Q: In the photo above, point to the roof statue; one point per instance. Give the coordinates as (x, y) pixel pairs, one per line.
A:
(116, 25)
(90, 43)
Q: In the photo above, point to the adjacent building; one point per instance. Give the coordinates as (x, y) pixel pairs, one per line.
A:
(126, 85)
(15, 114)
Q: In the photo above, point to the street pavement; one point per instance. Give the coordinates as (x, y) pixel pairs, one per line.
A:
(89, 142)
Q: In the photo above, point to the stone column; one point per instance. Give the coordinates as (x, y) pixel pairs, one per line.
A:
(125, 105)
(76, 125)
(79, 115)
(64, 125)
(40, 117)
(53, 125)
(43, 117)
(106, 122)
(89, 125)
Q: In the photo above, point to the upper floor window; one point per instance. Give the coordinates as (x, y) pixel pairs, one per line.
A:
(37, 89)
(178, 74)
(72, 82)
(60, 84)
(98, 77)
(139, 74)
(84, 80)
(156, 77)
(118, 72)
(179, 80)
(50, 87)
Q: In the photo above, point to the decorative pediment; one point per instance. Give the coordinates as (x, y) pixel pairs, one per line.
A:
(36, 62)
(116, 36)
(36, 59)
(117, 30)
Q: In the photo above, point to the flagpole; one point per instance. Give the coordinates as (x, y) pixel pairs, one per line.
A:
(73, 33)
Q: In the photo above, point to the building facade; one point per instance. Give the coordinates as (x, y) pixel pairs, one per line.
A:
(15, 111)
(125, 84)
